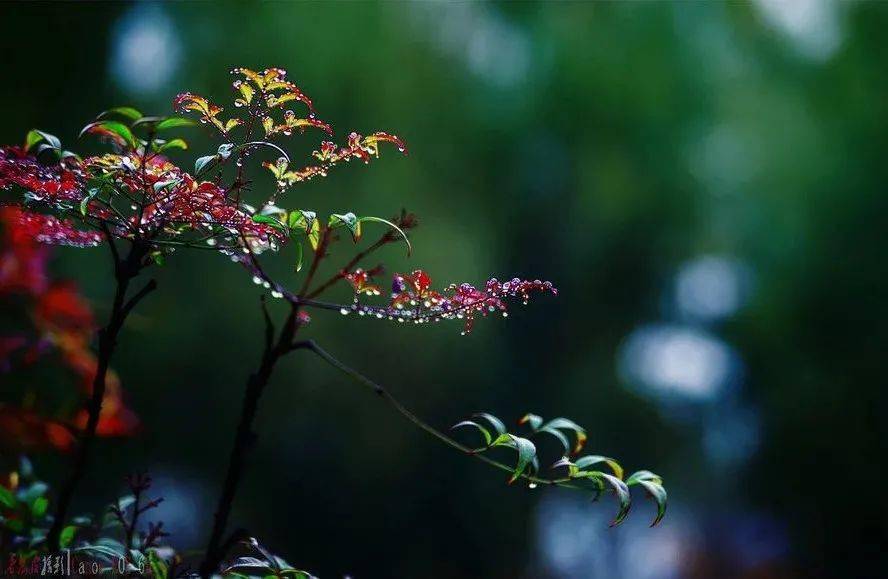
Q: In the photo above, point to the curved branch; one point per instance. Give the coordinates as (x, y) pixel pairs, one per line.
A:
(385, 395)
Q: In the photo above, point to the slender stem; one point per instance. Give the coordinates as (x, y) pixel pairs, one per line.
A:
(347, 267)
(245, 438)
(125, 271)
(385, 395)
(131, 528)
(319, 254)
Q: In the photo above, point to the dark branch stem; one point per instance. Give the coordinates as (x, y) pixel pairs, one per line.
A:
(245, 438)
(139, 296)
(112, 245)
(131, 528)
(125, 271)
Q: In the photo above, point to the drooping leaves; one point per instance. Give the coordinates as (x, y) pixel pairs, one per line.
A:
(584, 462)
(114, 130)
(580, 472)
(526, 452)
(495, 422)
(348, 220)
(484, 432)
(653, 484)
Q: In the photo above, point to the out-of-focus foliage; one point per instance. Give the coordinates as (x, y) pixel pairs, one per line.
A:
(45, 357)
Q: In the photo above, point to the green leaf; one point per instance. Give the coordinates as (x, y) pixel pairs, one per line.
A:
(493, 420)
(202, 163)
(174, 122)
(393, 226)
(128, 112)
(572, 469)
(298, 256)
(225, 149)
(7, 499)
(158, 566)
(532, 420)
(622, 492)
(84, 203)
(34, 136)
(151, 120)
(643, 475)
(585, 462)
(39, 506)
(565, 424)
(274, 210)
(557, 434)
(112, 127)
(484, 432)
(174, 144)
(67, 536)
(314, 235)
(658, 493)
(164, 184)
(349, 220)
(307, 220)
(301, 218)
(37, 489)
(526, 452)
(269, 220)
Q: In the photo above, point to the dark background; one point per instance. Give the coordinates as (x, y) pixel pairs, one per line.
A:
(703, 183)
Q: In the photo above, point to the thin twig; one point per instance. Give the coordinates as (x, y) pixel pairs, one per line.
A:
(320, 253)
(384, 240)
(245, 438)
(126, 270)
(385, 395)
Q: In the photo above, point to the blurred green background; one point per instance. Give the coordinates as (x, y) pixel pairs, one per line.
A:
(702, 181)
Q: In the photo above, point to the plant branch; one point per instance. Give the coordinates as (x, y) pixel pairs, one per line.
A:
(112, 245)
(319, 254)
(384, 240)
(139, 296)
(125, 271)
(245, 438)
(386, 395)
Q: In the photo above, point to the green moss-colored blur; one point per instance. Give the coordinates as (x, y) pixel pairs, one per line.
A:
(704, 183)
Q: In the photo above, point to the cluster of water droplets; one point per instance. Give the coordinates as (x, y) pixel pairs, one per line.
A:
(464, 302)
